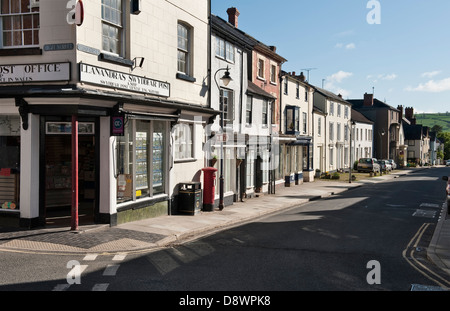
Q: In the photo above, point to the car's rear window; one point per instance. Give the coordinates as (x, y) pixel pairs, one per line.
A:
(365, 160)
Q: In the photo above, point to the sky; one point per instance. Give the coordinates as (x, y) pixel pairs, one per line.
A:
(397, 49)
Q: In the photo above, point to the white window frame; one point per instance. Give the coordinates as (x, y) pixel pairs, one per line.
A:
(120, 26)
(21, 15)
(186, 51)
(184, 140)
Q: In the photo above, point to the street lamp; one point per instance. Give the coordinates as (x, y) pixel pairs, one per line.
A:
(381, 148)
(352, 124)
(226, 79)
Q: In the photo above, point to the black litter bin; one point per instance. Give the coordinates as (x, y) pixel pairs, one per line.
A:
(190, 198)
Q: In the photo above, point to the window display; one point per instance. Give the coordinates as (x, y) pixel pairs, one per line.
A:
(140, 157)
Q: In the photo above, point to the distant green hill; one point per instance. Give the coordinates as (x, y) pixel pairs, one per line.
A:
(431, 119)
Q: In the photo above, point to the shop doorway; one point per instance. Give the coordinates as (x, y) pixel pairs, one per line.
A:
(58, 175)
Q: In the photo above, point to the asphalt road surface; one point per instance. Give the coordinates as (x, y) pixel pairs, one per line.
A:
(372, 238)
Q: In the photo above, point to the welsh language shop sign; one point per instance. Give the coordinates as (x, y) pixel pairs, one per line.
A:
(34, 72)
(120, 80)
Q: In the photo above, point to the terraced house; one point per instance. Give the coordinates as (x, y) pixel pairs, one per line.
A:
(103, 106)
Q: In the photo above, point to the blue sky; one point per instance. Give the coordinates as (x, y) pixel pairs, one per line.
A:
(405, 58)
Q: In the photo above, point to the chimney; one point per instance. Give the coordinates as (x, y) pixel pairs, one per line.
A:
(273, 48)
(302, 77)
(339, 95)
(368, 100)
(409, 114)
(233, 14)
(400, 107)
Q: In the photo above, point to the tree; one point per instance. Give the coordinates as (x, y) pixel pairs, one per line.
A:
(436, 128)
(445, 137)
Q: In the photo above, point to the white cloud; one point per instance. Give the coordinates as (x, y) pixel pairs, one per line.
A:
(350, 46)
(431, 74)
(432, 86)
(388, 77)
(336, 78)
(339, 76)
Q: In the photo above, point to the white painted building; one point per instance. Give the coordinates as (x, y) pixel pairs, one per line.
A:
(135, 79)
(336, 127)
(362, 136)
(296, 127)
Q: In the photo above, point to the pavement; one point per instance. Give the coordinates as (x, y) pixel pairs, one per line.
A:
(156, 233)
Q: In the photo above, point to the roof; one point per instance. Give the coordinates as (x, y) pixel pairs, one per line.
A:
(254, 89)
(223, 27)
(413, 132)
(359, 104)
(329, 94)
(359, 117)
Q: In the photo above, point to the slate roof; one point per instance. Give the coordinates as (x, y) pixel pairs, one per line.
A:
(359, 104)
(329, 94)
(254, 89)
(223, 27)
(359, 117)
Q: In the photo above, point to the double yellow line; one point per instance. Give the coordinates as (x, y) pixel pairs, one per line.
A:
(416, 264)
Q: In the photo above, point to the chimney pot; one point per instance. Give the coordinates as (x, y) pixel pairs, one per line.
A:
(233, 15)
(302, 77)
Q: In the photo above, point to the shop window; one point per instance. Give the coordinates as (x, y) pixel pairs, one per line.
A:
(9, 162)
(140, 160)
(19, 23)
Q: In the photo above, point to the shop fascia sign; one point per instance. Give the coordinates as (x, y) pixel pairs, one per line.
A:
(43, 72)
(120, 80)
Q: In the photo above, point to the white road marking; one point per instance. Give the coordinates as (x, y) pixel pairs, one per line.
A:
(61, 287)
(111, 270)
(90, 257)
(100, 287)
(119, 257)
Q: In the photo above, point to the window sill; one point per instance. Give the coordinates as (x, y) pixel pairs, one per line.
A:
(185, 77)
(141, 203)
(20, 51)
(273, 83)
(260, 78)
(185, 160)
(115, 60)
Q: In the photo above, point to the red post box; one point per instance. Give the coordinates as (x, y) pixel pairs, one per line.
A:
(209, 188)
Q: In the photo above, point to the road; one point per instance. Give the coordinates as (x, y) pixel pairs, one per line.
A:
(372, 238)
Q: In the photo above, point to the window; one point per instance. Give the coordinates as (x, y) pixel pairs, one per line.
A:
(346, 112)
(140, 160)
(229, 52)
(339, 110)
(331, 131)
(346, 132)
(265, 112)
(339, 131)
(319, 126)
(286, 86)
(273, 74)
(331, 108)
(261, 68)
(248, 110)
(112, 27)
(297, 90)
(19, 23)
(306, 95)
(305, 122)
(250, 171)
(183, 141)
(227, 105)
(224, 49)
(184, 47)
(220, 47)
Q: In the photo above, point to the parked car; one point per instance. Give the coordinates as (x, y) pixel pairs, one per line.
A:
(385, 166)
(447, 190)
(447, 163)
(393, 164)
(368, 165)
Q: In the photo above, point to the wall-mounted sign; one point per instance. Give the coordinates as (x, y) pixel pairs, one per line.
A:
(34, 72)
(84, 128)
(117, 126)
(58, 47)
(119, 80)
